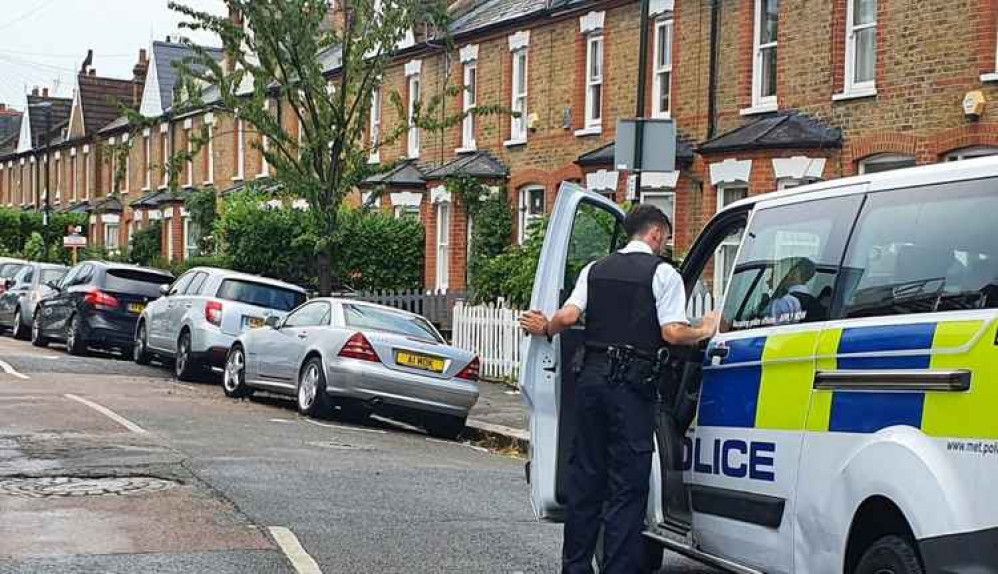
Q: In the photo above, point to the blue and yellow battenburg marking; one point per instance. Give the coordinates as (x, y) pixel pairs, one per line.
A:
(767, 382)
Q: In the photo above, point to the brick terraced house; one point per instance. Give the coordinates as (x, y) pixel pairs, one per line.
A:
(765, 95)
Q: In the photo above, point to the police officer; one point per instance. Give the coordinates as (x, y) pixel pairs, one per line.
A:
(633, 301)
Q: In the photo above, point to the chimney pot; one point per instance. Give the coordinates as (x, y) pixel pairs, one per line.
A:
(45, 92)
(93, 72)
(3, 107)
(34, 91)
(143, 56)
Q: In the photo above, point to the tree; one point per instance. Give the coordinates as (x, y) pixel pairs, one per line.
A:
(283, 56)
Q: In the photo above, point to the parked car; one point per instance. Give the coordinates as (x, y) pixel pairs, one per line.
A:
(8, 268)
(22, 294)
(97, 304)
(201, 314)
(361, 357)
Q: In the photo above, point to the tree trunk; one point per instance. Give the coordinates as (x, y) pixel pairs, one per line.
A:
(325, 273)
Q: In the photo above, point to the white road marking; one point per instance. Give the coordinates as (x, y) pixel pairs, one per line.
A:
(339, 427)
(285, 421)
(303, 563)
(109, 414)
(5, 367)
(462, 444)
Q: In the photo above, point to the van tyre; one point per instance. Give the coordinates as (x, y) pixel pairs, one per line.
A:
(140, 350)
(890, 555)
(75, 345)
(37, 339)
(445, 426)
(185, 367)
(312, 398)
(19, 330)
(234, 377)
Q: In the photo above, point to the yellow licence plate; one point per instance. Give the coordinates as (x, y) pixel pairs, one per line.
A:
(421, 362)
(136, 308)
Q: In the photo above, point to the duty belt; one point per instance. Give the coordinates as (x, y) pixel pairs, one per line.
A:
(621, 356)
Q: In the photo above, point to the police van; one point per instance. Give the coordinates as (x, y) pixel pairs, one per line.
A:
(845, 418)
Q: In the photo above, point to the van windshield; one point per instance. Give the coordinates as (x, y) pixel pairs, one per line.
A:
(260, 294)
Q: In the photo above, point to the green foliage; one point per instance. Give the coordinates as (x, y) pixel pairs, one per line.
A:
(146, 246)
(34, 248)
(511, 274)
(203, 211)
(376, 251)
(18, 228)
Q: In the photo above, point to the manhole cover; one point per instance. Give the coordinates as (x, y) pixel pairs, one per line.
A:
(69, 486)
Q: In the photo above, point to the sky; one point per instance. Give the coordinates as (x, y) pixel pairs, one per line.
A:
(44, 42)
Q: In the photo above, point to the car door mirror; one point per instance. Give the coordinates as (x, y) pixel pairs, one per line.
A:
(164, 290)
(273, 321)
(53, 286)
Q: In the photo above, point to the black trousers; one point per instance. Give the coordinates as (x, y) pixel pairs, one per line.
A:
(609, 469)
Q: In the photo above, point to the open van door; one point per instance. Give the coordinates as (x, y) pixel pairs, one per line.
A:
(583, 227)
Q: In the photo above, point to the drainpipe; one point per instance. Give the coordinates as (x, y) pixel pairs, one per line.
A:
(639, 137)
(715, 18)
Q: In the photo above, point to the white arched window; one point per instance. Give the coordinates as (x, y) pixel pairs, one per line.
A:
(885, 162)
(971, 153)
(531, 209)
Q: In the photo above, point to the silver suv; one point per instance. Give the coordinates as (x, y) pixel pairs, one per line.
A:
(201, 314)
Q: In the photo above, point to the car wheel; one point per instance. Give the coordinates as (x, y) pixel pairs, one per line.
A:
(37, 339)
(312, 398)
(184, 365)
(234, 377)
(890, 555)
(75, 344)
(20, 331)
(445, 426)
(140, 349)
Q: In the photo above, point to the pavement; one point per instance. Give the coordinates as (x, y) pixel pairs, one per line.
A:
(500, 418)
(109, 467)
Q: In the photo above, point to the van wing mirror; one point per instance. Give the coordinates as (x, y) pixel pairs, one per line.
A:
(273, 321)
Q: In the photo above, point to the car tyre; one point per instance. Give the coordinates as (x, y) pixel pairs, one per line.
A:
(234, 377)
(445, 426)
(37, 339)
(19, 330)
(354, 412)
(311, 396)
(894, 554)
(184, 366)
(140, 349)
(75, 345)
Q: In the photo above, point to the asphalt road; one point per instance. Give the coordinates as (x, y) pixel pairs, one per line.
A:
(379, 498)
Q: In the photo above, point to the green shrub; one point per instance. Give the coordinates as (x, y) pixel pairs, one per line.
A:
(373, 250)
(146, 246)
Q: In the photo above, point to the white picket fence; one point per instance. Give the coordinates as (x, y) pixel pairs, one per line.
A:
(493, 332)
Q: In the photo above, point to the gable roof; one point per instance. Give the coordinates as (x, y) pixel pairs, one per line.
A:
(481, 164)
(101, 100)
(407, 174)
(783, 130)
(163, 75)
(43, 120)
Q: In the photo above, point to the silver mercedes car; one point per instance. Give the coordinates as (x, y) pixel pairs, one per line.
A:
(360, 357)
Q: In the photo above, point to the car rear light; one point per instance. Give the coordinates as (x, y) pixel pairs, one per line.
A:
(472, 372)
(358, 347)
(100, 300)
(213, 313)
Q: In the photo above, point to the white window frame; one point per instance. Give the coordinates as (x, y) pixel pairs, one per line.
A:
(264, 148)
(168, 223)
(759, 101)
(443, 245)
(720, 283)
(374, 128)
(165, 145)
(128, 162)
(852, 88)
(469, 101)
(672, 216)
(525, 219)
(209, 121)
(971, 153)
(662, 77)
(881, 158)
(76, 175)
(147, 152)
(188, 250)
(240, 150)
(86, 173)
(518, 99)
(188, 131)
(594, 82)
(112, 240)
(415, 88)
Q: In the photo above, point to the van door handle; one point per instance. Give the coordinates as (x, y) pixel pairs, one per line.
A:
(302, 335)
(551, 369)
(719, 352)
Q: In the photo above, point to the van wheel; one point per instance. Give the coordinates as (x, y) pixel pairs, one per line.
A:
(19, 330)
(890, 555)
(37, 339)
(445, 426)
(312, 398)
(140, 349)
(75, 345)
(234, 377)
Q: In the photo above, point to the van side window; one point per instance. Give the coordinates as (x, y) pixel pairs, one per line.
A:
(924, 250)
(788, 263)
(596, 233)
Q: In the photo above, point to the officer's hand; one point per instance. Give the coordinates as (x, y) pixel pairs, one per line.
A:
(709, 323)
(534, 322)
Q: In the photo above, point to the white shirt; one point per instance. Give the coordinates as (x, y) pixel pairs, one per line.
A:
(667, 285)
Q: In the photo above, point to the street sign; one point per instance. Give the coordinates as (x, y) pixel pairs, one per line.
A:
(658, 150)
(74, 241)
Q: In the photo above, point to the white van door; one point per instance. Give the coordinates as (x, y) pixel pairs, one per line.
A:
(583, 227)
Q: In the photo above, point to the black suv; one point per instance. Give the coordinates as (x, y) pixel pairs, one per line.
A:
(97, 304)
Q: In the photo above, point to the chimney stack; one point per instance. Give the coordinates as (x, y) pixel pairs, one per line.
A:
(34, 91)
(45, 92)
(139, 73)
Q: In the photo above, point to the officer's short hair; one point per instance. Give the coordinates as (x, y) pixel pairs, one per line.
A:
(643, 218)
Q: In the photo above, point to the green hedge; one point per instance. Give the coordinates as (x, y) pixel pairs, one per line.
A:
(23, 234)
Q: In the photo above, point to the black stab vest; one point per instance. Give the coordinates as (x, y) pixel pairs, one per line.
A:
(621, 303)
